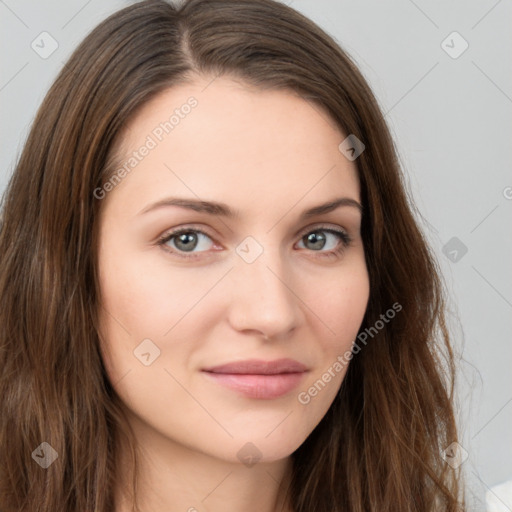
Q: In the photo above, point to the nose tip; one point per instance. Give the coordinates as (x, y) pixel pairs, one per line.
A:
(262, 300)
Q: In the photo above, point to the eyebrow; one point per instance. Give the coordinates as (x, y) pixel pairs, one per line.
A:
(222, 209)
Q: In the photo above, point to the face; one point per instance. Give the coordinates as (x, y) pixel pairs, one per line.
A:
(229, 297)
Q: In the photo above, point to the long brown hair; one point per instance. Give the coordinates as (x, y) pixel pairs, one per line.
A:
(378, 447)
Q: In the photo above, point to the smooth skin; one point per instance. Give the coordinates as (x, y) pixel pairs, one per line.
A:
(269, 155)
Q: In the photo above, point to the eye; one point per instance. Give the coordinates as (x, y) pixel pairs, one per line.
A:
(186, 240)
(328, 241)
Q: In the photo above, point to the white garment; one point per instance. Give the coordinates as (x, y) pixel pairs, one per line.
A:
(499, 498)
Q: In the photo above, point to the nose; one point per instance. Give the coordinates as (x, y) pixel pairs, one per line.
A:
(263, 299)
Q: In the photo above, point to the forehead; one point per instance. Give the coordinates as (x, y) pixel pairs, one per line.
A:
(222, 139)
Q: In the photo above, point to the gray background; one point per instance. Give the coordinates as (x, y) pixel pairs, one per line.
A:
(451, 120)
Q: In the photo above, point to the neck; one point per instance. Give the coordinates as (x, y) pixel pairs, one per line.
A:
(173, 477)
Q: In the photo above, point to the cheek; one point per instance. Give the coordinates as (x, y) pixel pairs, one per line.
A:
(147, 296)
(340, 309)
(144, 298)
(341, 306)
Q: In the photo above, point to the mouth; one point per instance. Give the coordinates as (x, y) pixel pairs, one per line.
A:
(259, 379)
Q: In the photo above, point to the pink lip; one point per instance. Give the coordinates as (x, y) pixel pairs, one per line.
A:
(259, 379)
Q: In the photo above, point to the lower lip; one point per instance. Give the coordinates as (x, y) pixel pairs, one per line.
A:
(258, 386)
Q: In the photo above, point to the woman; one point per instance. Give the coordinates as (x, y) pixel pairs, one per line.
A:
(215, 293)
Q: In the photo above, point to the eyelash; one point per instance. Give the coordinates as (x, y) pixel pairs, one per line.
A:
(344, 237)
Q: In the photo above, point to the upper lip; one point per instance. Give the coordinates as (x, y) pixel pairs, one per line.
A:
(259, 367)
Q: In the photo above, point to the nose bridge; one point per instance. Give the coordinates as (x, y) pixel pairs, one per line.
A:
(262, 299)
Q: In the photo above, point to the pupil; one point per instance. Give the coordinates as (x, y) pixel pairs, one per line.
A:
(317, 239)
(184, 238)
